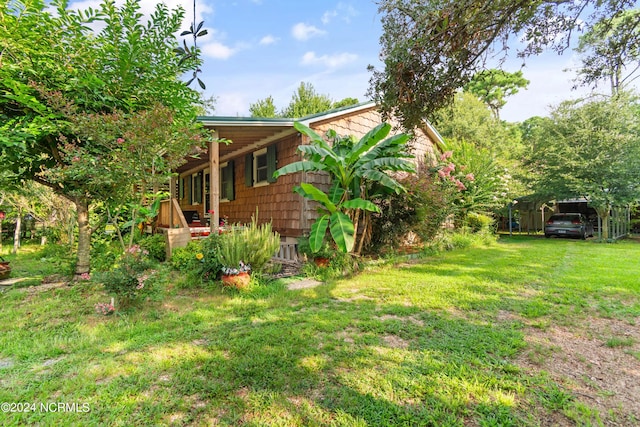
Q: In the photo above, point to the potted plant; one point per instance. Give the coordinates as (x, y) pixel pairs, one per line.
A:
(321, 257)
(237, 277)
(232, 256)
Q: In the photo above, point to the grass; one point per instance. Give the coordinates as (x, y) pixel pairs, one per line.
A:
(426, 343)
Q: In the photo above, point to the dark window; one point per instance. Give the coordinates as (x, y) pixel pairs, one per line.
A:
(226, 182)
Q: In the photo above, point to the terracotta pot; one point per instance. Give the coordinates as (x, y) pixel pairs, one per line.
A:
(239, 281)
(321, 261)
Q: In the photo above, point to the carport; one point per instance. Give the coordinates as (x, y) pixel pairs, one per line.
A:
(533, 211)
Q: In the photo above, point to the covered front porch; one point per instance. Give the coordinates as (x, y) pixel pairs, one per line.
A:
(211, 190)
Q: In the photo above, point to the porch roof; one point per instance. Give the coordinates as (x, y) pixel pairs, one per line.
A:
(248, 134)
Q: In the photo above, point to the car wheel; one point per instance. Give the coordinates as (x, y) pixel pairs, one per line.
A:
(547, 235)
(583, 236)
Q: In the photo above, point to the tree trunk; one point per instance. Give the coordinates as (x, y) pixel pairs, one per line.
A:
(16, 232)
(84, 237)
(604, 214)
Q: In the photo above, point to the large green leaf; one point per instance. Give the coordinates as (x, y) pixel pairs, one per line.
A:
(342, 230)
(383, 179)
(383, 147)
(372, 138)
(336, 192)
(315, 138)
(391, 163)
(301, 166)
(360, 204)
(318, 231)
(311, 192)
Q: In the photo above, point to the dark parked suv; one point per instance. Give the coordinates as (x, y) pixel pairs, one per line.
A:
(568, 224)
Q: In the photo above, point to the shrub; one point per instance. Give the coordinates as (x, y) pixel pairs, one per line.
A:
(156, 246)
(128, 280)
(262, 243)
(184, 259)
(199, 259)
(479, 222)
(254, 245)
(104, 253)
(421, 209)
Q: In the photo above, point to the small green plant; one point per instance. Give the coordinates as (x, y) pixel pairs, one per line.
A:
(479, 222)
(156, 245)
(233, 249)
(614, 342)
(129, 280)
(184, 259)
(261, 243)
(200, 259)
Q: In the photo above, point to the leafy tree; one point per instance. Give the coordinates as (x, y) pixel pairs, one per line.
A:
(72, 99)
(611, 51)
(346, 102)
(470, 130)
(305, 101)
(264, 108)
(591, 149)
(493, 86)
(430, 49)
(354, 167)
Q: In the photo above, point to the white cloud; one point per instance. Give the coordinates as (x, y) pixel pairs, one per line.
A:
(218, 50)
(344, 11)
(328, 16)
(302, 31)
(232, 104)
(267, 40)
(330, 61)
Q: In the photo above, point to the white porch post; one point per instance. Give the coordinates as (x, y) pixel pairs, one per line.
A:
(214, 182)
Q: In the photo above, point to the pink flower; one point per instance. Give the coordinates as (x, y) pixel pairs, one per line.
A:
(449, 168)
(460, 186)
(85, 276)
(446, 155)
(470, 177)
(120, 140)
(442, 174)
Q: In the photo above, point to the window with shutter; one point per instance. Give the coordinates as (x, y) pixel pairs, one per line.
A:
(260, 166)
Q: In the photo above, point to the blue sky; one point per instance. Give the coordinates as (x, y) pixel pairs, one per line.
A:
(261, 48)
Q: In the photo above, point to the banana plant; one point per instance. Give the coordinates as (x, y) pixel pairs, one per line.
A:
(354, 166)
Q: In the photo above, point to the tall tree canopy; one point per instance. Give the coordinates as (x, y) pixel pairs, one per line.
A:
(610, 51)
(493, 86)
(80, 109)
(432, 48)
(304, 101)
(588, 149)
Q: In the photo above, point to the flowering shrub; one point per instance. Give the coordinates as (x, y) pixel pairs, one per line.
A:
(480, 185)
(199, 258)
(105, 308)
(129, 279)
(421, 210)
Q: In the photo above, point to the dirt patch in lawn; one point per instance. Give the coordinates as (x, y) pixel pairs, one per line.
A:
(598, 362)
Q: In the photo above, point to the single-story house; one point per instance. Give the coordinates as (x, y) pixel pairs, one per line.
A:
(234, 180)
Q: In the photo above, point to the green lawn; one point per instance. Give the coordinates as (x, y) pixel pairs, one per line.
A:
(439, 341)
